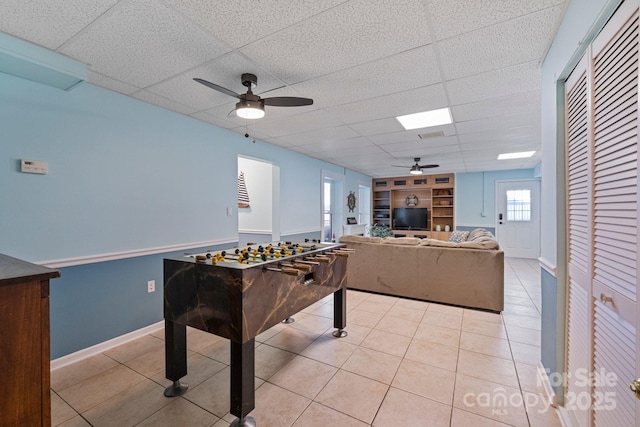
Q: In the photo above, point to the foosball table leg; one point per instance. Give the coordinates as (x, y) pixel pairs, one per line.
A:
(243, 382)
(340, 312)
(288, 320)
(175, 357)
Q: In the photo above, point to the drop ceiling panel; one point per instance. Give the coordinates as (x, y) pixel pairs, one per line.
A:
(299, 123)
(517, 103)
(142, 43)
(334, 136)
(109, 83)
(241, 22)
(495, 84)
(49, 23)
(396, 104)
(502, 45)
(455, 17)
(503, 122)
(376, 127)
(163, 102)
(420, 144)
(351, 34)
(373, 79)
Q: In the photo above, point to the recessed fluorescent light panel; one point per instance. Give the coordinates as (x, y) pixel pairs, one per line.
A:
(426, 119)
(521, 155)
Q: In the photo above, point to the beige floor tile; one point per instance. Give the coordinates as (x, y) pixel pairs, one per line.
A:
(269, 360)
(520, 298)
(387, 342)
(73, 374)
(434, 354)
(135, 348)
(447, 309)
(486, 345)
(411, 303)
(213, 394)
(382, 299)
(374, 307)
(460, 418)
(220, 351)
(523, 335)
(525, 353)
(406, 313)
(275, 329)
(293, 340)
(92, 391)
(325, 310)
(353, 395)
(541, 413)
(180, 412)
(60, 410)
(330, 350)
(529, 378)
(199, 369)
(400, 408)
(521, 309)
(486, 316)
(426, 381)
(312, 324)
(397, 326)
(129, 407)
(313, 307)
(373, 364)
(529, 322)
(277, 407)
(438, 334)
(197, 339)
(490, 400)
(364, 318)
(489, 368)
(445, 320)
(515, 293)
(317, 415)
(304, 376)
(149, 363)
(481, 327)
(355, 333)
(76, 421)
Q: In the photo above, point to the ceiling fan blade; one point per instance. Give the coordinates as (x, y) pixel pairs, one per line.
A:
(401, 166)
(287, 101)
(428, 166)
(218, 88)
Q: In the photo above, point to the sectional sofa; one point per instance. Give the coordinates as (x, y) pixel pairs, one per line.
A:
(468, 272)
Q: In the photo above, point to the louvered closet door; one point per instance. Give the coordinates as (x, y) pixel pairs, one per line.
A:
(602, 200)
(579, 344)
(615, 210)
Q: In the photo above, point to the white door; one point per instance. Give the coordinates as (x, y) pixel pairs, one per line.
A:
(518, 221)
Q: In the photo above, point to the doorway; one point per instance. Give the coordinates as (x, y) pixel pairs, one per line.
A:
(332, 214)
(518, 221)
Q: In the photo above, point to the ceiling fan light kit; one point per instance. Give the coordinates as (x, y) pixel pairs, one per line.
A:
(416, 169)
(251, 106)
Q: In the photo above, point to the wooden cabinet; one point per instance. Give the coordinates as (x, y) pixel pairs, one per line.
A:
(433, 192)
(24, 343)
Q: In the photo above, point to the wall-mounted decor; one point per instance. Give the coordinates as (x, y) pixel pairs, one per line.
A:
(352, 220)
(243, 195)
(411, 200)
(351, 201)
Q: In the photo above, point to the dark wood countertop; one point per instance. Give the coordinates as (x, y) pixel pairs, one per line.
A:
(14, 270)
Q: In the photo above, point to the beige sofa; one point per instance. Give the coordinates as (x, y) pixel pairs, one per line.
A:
(469, 273)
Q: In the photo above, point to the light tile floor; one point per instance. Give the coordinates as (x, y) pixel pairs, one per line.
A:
(404, 362)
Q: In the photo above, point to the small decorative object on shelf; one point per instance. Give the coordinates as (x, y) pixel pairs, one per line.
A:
(380, 230)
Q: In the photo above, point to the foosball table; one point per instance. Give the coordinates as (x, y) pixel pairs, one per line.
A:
(240, 292)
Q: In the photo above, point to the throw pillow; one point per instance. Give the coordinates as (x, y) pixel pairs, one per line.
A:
(459, 236)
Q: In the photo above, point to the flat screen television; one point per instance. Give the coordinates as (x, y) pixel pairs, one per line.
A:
(410, 218)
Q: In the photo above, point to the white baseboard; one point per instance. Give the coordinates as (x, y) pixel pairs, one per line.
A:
(104, 346)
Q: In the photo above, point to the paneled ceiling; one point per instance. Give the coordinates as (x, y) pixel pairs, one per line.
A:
(362, 61)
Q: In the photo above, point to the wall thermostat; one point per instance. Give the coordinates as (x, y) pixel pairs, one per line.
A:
(33, 166)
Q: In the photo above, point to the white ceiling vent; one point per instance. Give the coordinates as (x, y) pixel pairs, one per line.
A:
(431, 134)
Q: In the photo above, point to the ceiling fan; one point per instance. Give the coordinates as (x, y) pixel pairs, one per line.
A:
(251, 106)
(417, 168)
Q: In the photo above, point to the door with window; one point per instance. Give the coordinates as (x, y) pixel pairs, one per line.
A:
(518, 222)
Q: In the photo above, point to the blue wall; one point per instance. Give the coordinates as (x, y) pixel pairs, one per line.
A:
(125, 177)
(476, 194)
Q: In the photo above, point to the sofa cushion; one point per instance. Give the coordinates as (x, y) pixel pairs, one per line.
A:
(359, 239)
(408, 241)
(438, 243)
(459, 236)
(479, 232)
